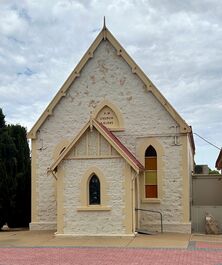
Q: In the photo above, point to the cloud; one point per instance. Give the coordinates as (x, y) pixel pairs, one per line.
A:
(176, 43)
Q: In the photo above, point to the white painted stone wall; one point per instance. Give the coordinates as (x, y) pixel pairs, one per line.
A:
(107, 76)
(94, 222)
(171, 201)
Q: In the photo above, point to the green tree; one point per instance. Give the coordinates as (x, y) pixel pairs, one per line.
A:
(213, 172)
(3, 197)
(2, 177)
(8, 182)
(2, 120)
(20, 214)
(15, 175)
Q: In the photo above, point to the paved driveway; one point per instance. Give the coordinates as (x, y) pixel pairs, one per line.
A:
(107, 256)
(43, 248)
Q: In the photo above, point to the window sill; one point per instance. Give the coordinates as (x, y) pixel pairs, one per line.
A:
(151, 200)
(93, 208)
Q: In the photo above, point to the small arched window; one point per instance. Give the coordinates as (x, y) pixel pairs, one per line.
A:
(94, 190)
(151, 185)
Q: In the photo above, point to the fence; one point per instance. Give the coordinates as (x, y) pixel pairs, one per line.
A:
(206, 198)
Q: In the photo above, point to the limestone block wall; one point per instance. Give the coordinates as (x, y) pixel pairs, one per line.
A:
(105, 76)
(94, 222)
(44, 187)
(171, 203)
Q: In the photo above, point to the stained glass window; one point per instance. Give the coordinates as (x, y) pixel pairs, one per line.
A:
(94, 190)
(150, 177)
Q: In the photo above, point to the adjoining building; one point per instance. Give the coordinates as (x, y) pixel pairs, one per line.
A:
(108, 143)
(218, 164)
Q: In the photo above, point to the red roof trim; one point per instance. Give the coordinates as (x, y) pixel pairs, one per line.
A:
(218, 164)
(121, 146)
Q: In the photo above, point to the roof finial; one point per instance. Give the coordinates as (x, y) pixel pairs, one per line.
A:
(91, 121)
(104, 22)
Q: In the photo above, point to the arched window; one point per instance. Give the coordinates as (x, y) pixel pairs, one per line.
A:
(151, 190)
(109, 115)
(94, 190)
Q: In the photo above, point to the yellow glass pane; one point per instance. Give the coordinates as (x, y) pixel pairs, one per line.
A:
(151, 163)
(151, 178)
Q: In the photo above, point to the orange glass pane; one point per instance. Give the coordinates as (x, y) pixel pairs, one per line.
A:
(151, 163)
(151, 191)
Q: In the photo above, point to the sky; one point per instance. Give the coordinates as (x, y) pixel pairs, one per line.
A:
(178, 44)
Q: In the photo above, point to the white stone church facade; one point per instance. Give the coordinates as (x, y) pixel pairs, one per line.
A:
(108, 143)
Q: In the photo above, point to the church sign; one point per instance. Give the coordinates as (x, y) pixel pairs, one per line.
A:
(107, 117)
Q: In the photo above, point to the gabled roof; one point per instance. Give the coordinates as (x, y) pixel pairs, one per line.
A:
(105, 34)
(123, 148)
(110, 137)
(218, 164)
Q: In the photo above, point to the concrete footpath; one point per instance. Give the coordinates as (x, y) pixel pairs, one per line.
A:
(48, 239)
(25, 238)
(43, 248)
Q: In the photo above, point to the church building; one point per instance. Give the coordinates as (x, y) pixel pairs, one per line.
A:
(108, 144)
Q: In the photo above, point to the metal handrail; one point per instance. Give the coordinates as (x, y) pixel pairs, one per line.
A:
(161, 216)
